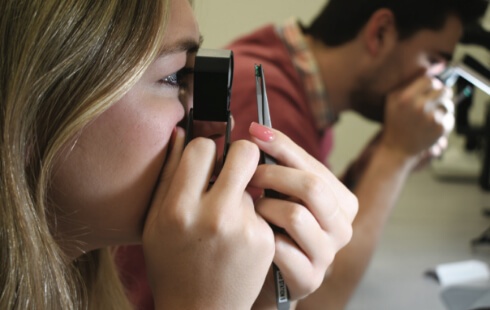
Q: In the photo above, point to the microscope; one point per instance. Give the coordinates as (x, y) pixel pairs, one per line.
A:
(466, 76)
(472, 159)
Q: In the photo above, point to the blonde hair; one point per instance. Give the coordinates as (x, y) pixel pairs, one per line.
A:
(62, 64)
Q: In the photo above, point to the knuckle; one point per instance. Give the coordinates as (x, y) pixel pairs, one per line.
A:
(315, 280)
(313, 185)
(352, 202)
(213, 228)
(297, 217)
(329, 257)
(217, 225)
(256, 238)
(347, 235)
(267, 243)
(176, 221)
(306, 285)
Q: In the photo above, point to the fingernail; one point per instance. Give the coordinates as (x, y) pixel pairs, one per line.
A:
(261, 132)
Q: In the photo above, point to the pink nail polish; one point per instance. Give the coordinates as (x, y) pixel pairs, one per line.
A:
(261, 132)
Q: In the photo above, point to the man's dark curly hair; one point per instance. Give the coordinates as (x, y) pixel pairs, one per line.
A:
(341, 20)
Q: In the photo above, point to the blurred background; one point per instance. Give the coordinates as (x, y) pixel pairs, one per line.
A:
(440, 210)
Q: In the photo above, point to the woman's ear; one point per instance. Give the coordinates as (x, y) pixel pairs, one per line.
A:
(380, 33)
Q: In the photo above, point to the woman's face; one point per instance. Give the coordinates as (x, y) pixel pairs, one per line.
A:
(105, 183)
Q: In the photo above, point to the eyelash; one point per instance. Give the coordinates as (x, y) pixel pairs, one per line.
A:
(177, 79)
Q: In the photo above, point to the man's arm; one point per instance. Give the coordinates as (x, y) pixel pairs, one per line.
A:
(412, 127)
(377, 190)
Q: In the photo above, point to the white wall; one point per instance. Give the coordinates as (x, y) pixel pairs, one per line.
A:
(222, 20)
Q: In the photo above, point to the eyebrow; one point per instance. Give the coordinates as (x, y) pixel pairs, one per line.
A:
(185, 45)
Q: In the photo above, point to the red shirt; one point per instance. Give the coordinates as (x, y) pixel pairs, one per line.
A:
(288, 101)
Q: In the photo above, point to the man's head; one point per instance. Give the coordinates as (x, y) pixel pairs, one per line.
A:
(341, 20)
(395, 41)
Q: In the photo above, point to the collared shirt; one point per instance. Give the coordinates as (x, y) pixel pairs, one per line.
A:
(306, 65)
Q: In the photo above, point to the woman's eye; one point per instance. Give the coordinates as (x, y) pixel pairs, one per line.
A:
(171, 80)
(178, 79)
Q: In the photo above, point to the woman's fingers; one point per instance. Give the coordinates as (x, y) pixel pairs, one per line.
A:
(198, 159)
(314, 192)
(306, 251)
(238, 169)
(289, 154)
(317, 214)
(302, 227)
(174, 153)
(184, 172)
(198, 224)
(285, 151)
(302, 276)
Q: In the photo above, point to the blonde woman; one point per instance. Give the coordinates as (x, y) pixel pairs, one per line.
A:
(92, 157)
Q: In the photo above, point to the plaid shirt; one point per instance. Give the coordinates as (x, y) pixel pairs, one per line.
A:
(304, 62)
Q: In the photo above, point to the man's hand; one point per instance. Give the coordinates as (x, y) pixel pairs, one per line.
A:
(418, 118)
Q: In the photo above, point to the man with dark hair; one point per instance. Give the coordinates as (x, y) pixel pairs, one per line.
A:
(378, 58)
(341, 21)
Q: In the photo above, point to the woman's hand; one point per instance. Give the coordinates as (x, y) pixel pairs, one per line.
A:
(317, 216)
(206, 247)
